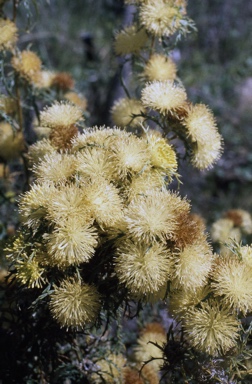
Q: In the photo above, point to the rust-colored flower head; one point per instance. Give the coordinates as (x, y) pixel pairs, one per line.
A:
(62, 81)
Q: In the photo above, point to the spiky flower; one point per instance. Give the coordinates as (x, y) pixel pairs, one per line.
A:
(221, 230)
(130, 155)
(103, 201)
(162, 154)
(161, 68)
(11, 142)
(193, 264)
(143, 182)
(154, 215)
(211, 328)
(146, 348)
(110, 369)
(39, 150)
(94, 162)
(29, 272)
(240, 218)
(61, 114)
(123, 112)
(43, 79)
(160, 17)
(33, 204)
(27, 64)
(204, 155)
(130, 40)
(143, 268)
(232, 279)
(246, 254)
(74, 304)
(8, 34)
(55, 168)
(163, 96)
(71, 242)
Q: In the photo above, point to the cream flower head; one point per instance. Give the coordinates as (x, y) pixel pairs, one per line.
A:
(163, 96)
(130, 40)
(160, 17)
(110, 369)
(160, 68)
(61, 114)
(212, 328)
(123, 112)
(74, 304)
(8, 34)
(27, 64)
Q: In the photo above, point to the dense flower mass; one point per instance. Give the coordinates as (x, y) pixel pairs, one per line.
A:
(8, 34)
(130, 40)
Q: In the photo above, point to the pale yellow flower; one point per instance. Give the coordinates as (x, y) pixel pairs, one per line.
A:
(143, 268)
(163, 96)
(212, 328)
(43, 79)
(162, 154)
(39, 150)
(110, 369)
(193, 264)
(161, 68)
(29, 272)
(74, 304)
(130, 155)
(56, 168)
(33, 204)
(61, 114)
(93, 162)
(246, 254)
(8, 104)
(77, 99)
(145, 348)
(71, 242)
(123, 112)
(221, 230)
(240, 218)
(103, 201)
(205, 155)
(154, 215)
(160, 17)
(140, 184)
(232, 280)
(27, 64)
(8, 34)
(130, 40)
(11, 142)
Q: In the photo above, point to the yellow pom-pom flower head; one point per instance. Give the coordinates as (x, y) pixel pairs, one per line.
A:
(8, 34)
(126, 112)
(74, 304)
(27, 64)
(160, 68)
(130, 40)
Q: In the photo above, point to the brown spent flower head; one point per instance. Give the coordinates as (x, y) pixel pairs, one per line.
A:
(193, 264)
(63, 81)
(11, 142)
(8, 34)
(123, 112)
(240, 218)
(111, 369)
(212, 328)
(143, 268)
(164, 96)
(71, 242)
(162, 154)
(145, 348)
(77, 99)
(61, 114)
(132, 376)
(74, 304)
(61, 137)
(160, 17)
(232, 280)
(160, 68)
(130, 40)
(27, 64)
(55, 168)
(189, 230)
(155, 215)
